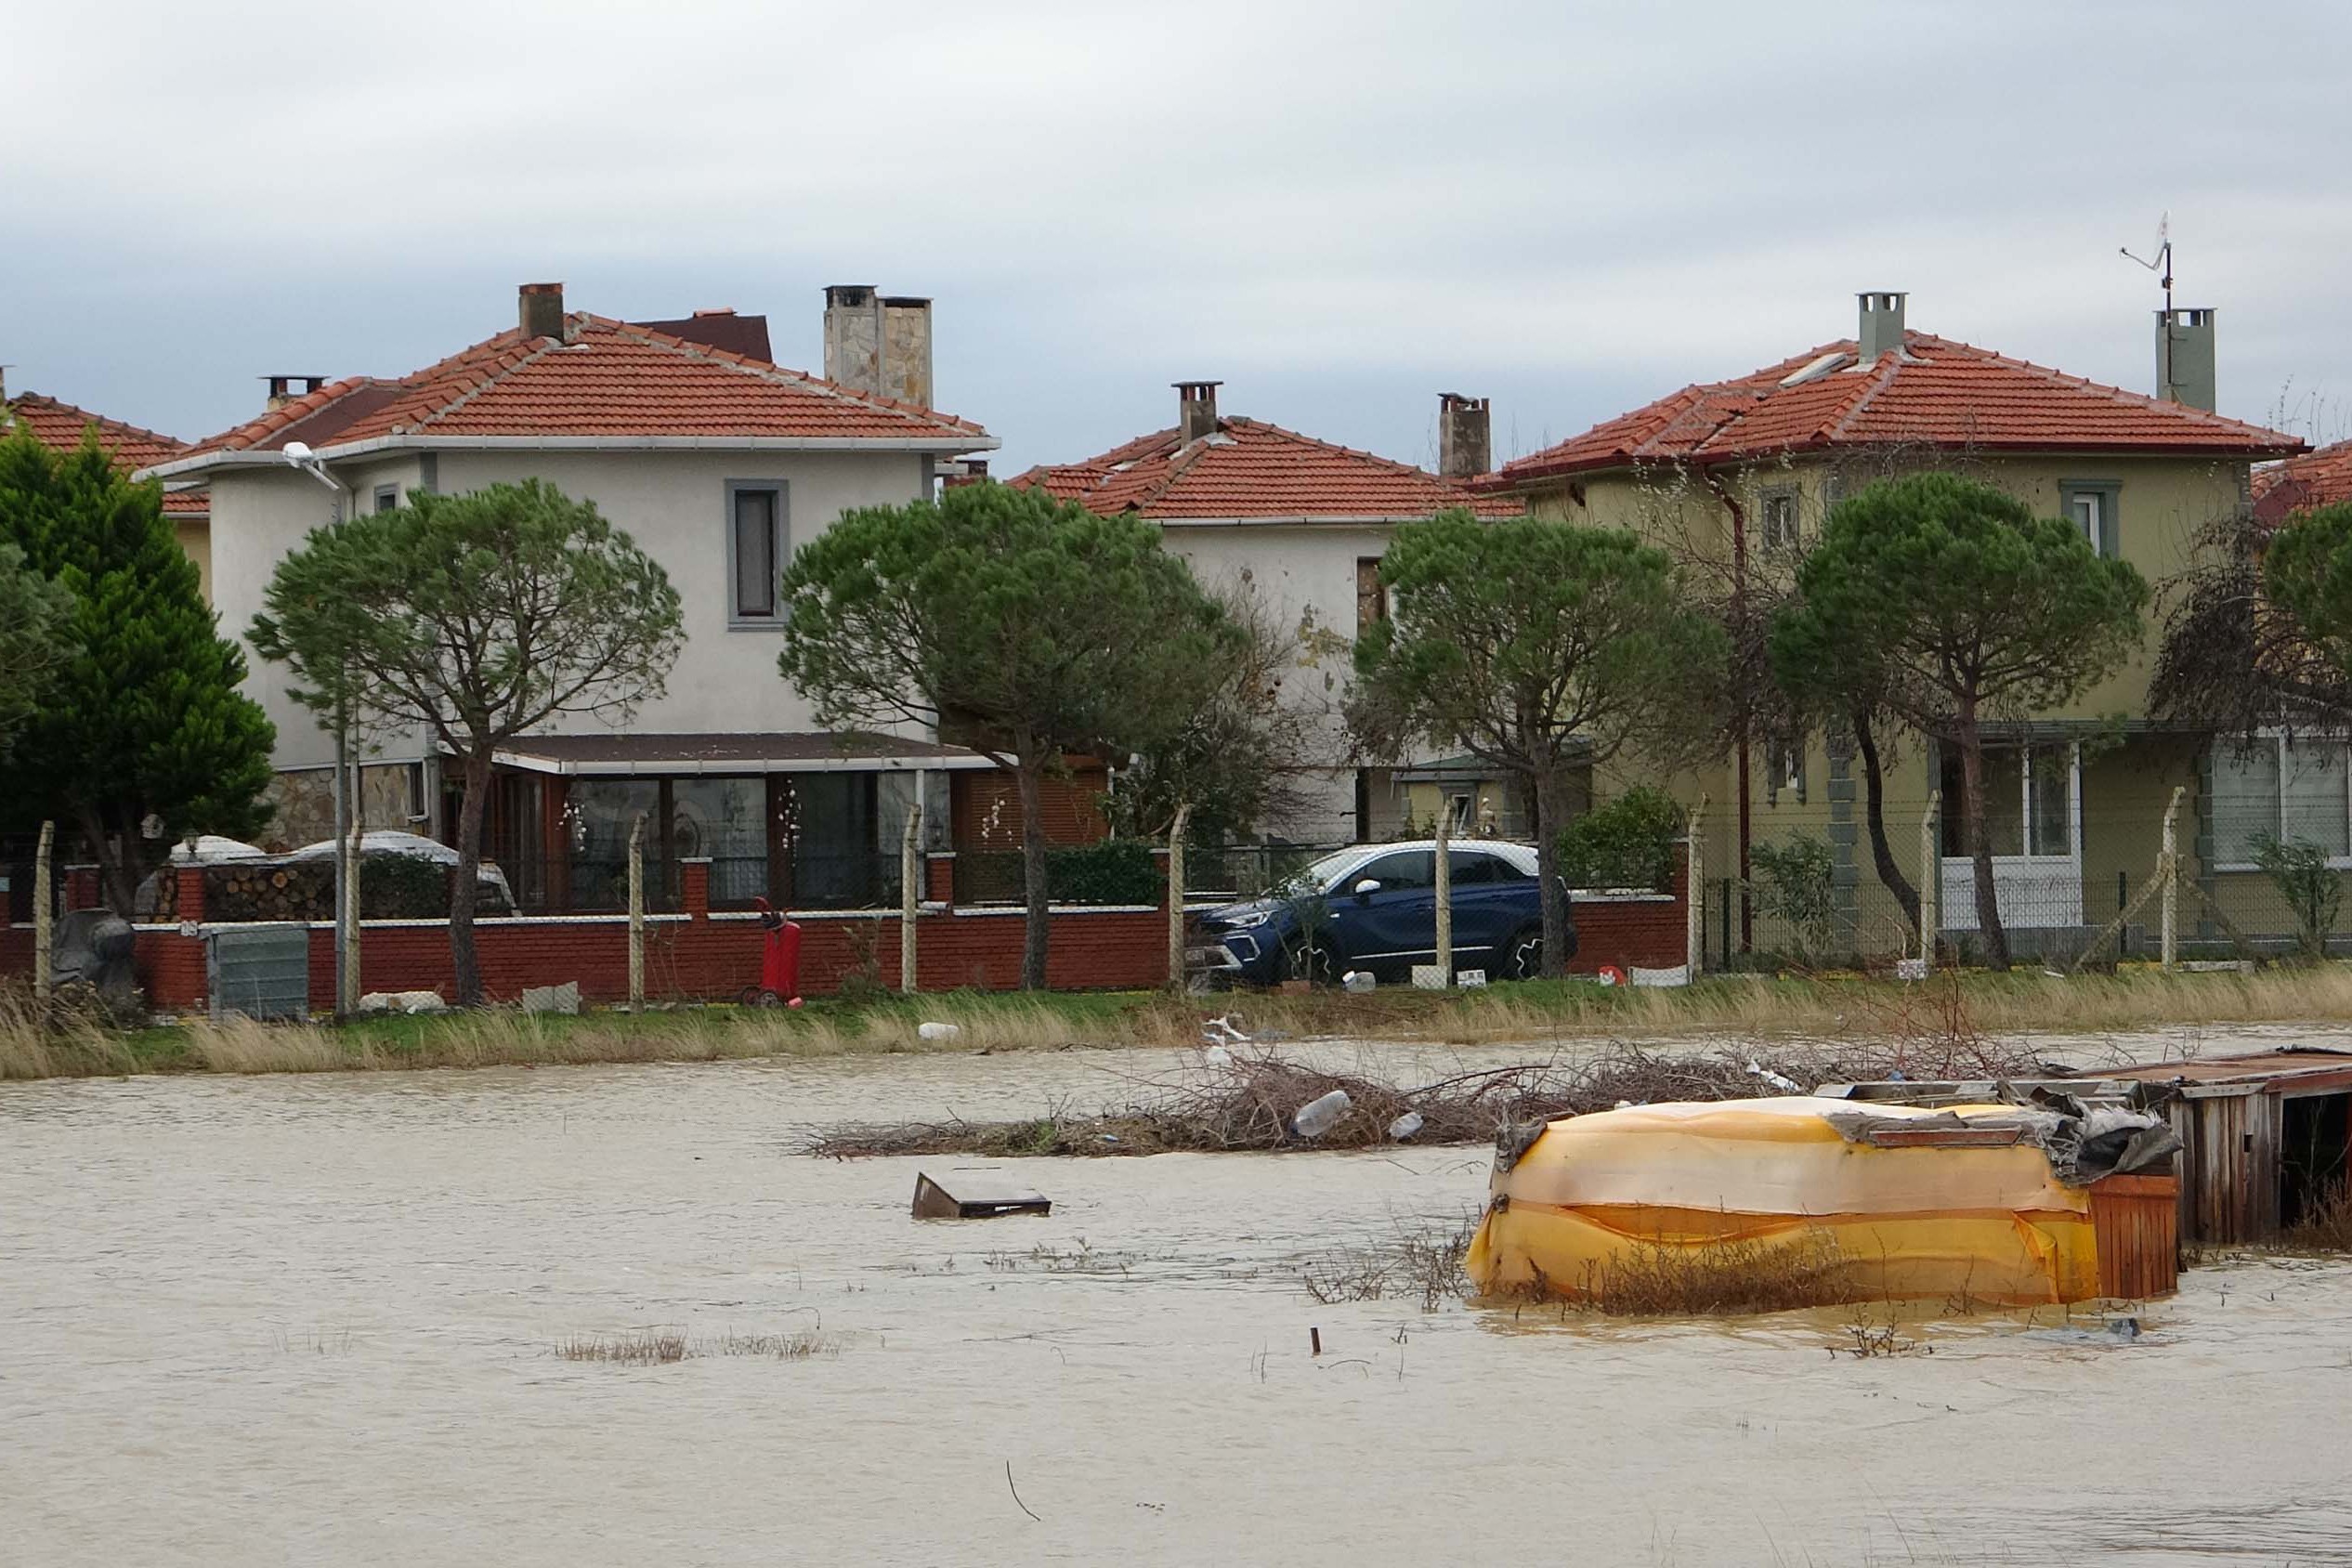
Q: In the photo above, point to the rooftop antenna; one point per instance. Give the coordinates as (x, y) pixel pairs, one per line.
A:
(2162, 260)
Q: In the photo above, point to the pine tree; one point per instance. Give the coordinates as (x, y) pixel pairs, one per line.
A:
(143, 736)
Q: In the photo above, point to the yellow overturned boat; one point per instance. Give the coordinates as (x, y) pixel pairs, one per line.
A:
(1994, 1202)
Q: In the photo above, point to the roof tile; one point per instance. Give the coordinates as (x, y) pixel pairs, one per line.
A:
(610, 378)
(1252, 469)
(61, 427)
(1936, 393)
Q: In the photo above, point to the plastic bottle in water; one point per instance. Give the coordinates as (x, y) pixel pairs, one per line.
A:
(1320, 1114)
(1404, 1127)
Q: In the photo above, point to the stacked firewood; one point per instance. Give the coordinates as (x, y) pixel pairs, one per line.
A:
(269, 889)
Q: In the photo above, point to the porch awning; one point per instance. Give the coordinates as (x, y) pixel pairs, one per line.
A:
(770, 751)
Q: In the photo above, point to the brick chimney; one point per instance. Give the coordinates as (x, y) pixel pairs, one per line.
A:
(1464, 441)
(1196, 408)
(878, 343)
(1881, 329)
(2184, 357)
(539, 307)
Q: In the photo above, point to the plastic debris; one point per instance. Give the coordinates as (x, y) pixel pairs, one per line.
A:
(938, 1031)
(1320, 1114)
(1472, 979)
(1358, 980)
(1216, 1056)
(403, 1001)
(1787, 1084)
(1404, 1126)
(1222, 1030)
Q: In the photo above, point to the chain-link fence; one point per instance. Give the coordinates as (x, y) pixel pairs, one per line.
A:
(2066, 883)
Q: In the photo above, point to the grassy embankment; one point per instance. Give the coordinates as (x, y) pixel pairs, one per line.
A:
(1826, 1008)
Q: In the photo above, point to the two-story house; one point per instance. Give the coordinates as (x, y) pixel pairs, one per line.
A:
(1735, 477)
(714, 460)
(1300, 525)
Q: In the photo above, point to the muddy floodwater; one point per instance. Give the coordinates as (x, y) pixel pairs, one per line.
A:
(314, 1321)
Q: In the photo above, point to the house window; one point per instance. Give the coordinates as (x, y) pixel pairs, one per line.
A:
(756, 545)
(2029, 801)
(1779, 516)
(2090, 504)
(386, 497)
(1784, 770)
(2282, 788)
(1371, 597)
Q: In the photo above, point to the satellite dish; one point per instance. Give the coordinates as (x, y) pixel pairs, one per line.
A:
(297, 452)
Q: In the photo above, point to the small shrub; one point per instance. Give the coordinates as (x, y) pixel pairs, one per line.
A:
(1628, 843)
(1795, 882)
(2313, 889)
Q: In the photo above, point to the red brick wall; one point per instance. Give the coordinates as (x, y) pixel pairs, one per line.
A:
(698, 957)
(1651, 933)
(704, 958)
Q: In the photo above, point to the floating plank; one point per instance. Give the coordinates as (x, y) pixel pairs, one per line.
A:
(974, 1201)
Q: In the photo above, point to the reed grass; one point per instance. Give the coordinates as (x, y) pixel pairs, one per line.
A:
(1949, 1021)
(663, 1347)
(1736, 1275)
(2325, 1224)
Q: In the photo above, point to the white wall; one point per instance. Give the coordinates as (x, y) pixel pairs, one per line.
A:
(674, 505)
(1305, 573)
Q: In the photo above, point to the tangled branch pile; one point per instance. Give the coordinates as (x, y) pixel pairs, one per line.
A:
(1247, 1105)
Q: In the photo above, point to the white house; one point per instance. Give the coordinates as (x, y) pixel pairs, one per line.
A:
(717, 462)
(1303, 524)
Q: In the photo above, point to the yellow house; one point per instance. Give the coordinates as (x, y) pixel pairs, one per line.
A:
(61, 427)
(1735, 477)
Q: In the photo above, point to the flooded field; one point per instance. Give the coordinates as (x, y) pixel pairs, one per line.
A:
(316, 1320)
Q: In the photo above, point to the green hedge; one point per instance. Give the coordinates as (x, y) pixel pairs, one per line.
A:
(1112, 871)
(1628, 842)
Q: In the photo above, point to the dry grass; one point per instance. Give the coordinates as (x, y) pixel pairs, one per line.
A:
(1952, 1025)
(1422, 1261)
(2325, 1224)
(1736, 1276)
(661, 1347)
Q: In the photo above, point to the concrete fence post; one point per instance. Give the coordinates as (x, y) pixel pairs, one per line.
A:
(1695, 890)
(1176, 896)
(42, 901)
(637, 911)
(1930, 881)
(347, 987)
(2168, 868)
(910, 888)
(1442, 866)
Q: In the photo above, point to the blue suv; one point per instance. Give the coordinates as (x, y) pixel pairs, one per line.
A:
(1374, 907)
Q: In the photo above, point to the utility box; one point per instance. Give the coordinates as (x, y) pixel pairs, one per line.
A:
(259, 971)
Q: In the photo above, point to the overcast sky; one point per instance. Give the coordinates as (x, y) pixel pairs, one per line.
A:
(1341, 209)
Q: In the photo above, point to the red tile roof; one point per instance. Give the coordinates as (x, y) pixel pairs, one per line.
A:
(2317, 478)
(1250, 469)
(1935, 393)
(608, 379)
(61, 425)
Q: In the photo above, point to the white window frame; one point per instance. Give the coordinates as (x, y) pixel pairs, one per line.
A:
(782, 523)
(2103, 525)
(1784, 534)
(2277, 740)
